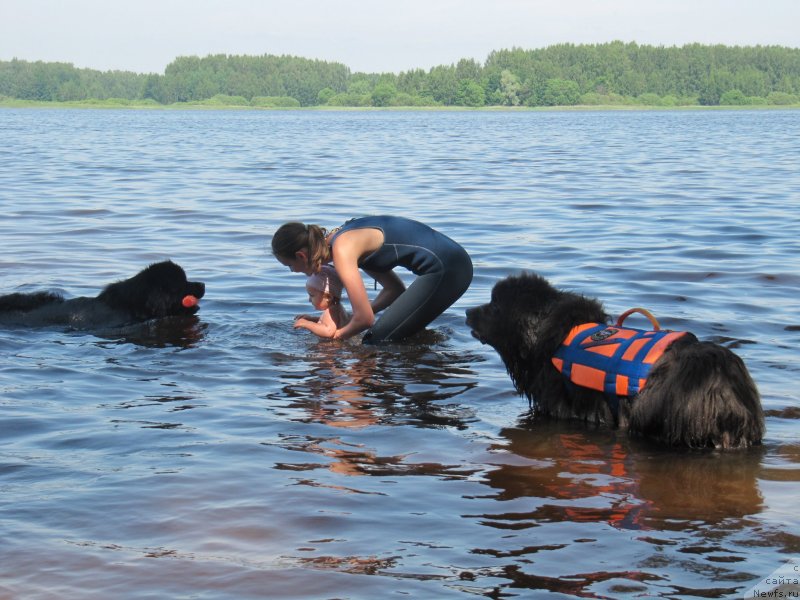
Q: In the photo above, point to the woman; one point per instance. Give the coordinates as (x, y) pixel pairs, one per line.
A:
(377, 245)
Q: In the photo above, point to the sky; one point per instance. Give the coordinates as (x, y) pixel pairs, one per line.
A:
(372, 36)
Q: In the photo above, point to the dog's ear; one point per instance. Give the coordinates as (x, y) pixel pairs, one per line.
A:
(158, 303)
(123, 295)
(526, 329)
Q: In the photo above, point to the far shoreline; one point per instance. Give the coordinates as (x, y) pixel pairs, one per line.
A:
(118, 105)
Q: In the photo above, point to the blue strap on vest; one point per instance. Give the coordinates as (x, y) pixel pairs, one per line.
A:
(614, 365)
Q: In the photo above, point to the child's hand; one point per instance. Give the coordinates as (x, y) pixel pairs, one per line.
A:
(324, 327)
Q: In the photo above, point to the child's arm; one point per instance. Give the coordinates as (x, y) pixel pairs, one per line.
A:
(325, 327)
(312, 318)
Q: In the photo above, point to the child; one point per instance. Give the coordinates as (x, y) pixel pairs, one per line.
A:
(325, 293)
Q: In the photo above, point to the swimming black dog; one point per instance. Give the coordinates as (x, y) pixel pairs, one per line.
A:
(160, 290)
(696, 394)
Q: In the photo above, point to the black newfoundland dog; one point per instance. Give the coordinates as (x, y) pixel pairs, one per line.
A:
(160, 290)
(667, 386)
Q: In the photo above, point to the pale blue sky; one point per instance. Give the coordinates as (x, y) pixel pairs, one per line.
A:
(369, 35)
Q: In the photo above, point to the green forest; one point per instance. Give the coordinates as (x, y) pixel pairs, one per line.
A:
(614, 73)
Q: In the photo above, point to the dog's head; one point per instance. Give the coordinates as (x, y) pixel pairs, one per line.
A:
(526, 320)
(160, 290)
(510, 321)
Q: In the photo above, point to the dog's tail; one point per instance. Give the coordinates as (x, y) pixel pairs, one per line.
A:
(27, 302)
(699, 395)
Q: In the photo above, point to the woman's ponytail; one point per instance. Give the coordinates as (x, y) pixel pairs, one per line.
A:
(293, 237)
(318, 251)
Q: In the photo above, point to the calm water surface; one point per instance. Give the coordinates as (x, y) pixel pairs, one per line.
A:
(233, 457)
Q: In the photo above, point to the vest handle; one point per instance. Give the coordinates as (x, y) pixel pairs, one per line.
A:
(644, 311)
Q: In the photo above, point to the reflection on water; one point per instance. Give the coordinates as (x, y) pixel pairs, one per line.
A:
(178, 332)
(607, 477)
(577, 476)
(363, 386)
(367, 386)
(671, 500)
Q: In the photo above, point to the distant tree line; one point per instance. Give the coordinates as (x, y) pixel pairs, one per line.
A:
(559, 75)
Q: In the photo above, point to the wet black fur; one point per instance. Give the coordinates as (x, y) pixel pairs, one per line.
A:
(698, 394)
(156, 291)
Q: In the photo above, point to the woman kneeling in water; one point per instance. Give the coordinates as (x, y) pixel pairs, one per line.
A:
(377, 245)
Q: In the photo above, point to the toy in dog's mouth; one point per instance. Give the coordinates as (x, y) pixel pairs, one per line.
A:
(190, 301)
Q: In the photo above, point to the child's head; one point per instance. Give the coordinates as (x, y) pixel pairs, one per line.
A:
(324, 288)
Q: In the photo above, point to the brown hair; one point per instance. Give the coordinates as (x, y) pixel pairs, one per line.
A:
(294, 237)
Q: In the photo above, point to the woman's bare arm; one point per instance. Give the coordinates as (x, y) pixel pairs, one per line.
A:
(349, 247)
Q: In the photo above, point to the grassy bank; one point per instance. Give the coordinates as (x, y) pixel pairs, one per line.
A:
(117, 103)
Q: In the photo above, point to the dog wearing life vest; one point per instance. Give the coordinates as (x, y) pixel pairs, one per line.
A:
(564, 356)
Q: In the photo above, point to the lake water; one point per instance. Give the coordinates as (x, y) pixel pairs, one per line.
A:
(234, 457)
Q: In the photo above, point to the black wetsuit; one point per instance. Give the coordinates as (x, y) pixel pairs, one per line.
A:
(443, 269)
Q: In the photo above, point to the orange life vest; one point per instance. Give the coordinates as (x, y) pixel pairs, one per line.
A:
(611, 358)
